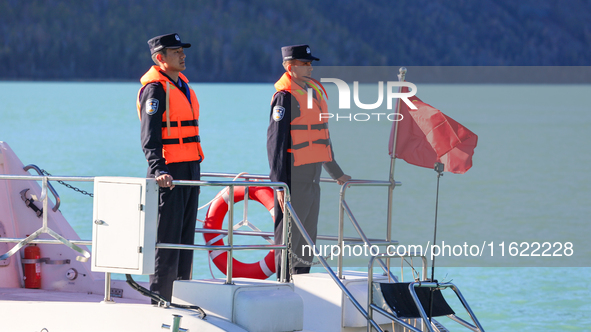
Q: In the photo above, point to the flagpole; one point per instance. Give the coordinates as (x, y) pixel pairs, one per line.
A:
(401, 77)
(439, 167)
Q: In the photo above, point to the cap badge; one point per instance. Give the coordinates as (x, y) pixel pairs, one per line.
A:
(177, 37)
(308, 50)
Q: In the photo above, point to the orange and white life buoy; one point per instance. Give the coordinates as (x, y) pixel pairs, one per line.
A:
(214, 219)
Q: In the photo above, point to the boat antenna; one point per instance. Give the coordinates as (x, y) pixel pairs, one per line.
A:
(439, 167)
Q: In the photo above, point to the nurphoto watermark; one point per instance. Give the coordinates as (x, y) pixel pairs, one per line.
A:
(487, 248)
(362, 116)
(393, 92)
(345, 94)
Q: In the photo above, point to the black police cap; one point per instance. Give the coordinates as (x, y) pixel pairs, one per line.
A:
(297, 52)
(171, 40)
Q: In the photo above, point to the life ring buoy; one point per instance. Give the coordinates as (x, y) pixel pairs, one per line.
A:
(214, 219)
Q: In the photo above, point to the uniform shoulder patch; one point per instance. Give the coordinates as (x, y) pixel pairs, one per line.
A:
(278, 113)
(152, 106)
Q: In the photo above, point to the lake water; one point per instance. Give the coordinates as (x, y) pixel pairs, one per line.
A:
(530, 181)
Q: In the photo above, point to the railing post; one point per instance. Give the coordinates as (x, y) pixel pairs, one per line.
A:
(108, 288)
(245, 213)
(341, 231)
(286, 223)
(389, 214)
(331, 273)
(467, 307)
(370, 292)
(44, 199)
(229, 269)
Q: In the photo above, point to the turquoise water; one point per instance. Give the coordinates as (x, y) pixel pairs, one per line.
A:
(530, 180)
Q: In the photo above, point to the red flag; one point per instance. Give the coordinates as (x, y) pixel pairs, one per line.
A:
(427, 136)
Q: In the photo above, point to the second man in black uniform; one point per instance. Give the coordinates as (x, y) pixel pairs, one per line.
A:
(298, 145)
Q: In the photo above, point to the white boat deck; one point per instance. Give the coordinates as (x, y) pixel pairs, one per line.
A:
(73, 312)
(40, 295)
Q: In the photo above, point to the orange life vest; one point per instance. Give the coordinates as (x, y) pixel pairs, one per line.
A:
(310, 142)
(180, 120)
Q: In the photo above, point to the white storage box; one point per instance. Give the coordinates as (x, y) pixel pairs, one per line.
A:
(125, 219)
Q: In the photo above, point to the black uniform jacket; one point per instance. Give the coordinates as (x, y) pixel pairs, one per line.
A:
(281, 162)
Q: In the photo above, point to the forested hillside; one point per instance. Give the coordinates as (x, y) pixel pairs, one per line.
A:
(239, 41)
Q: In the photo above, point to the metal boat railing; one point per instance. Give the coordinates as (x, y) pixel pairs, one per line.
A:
(371, 306)
(50, 187)
(231, 247)
(345, 209)
(331, 273)
(289, 214)
(230, 232)
(259, 177)
(337, 277)
(428, 327)
(45, 186)
(73, 244)
(44, 229)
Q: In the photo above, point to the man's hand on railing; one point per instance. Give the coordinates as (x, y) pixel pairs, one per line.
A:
(280, 197)
(165, 180)
(344, 178)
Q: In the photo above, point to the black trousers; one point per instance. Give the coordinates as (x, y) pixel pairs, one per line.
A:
(305, 198)
(177, 215)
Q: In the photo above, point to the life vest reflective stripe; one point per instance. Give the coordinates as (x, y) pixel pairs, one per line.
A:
(309, 132)
(192, 139)
(180, 121)
(305, 144)
(188, 123)
(305, 127)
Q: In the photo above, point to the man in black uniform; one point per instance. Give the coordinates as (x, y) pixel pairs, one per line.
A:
(298, 144)
(169, 114)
